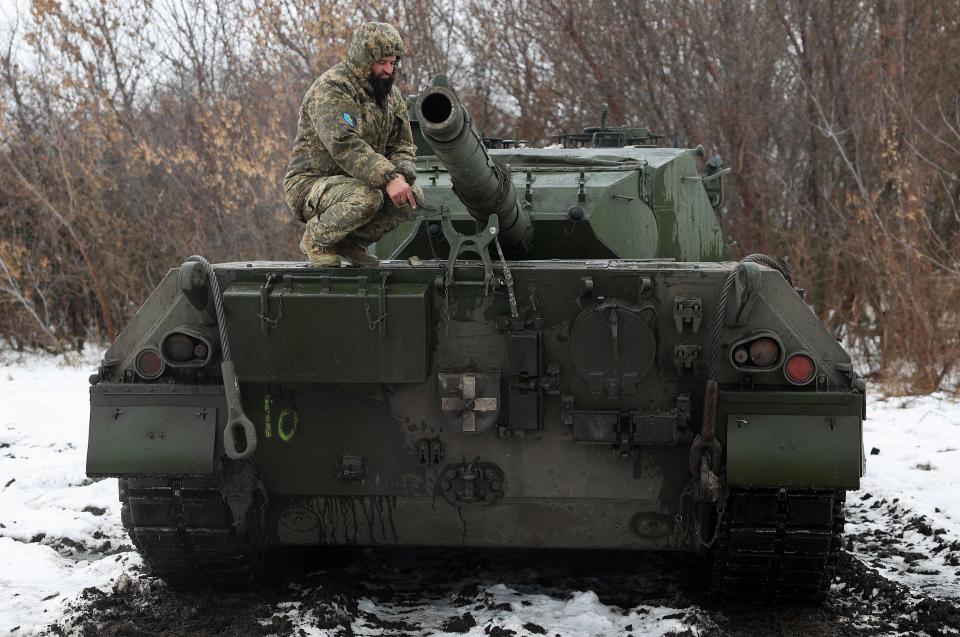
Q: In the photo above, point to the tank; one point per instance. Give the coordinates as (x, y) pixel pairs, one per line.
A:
(556, 353)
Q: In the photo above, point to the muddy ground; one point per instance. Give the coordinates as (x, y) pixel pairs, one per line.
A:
(423, 592)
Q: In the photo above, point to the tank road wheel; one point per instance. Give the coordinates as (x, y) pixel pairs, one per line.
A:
(184, 530)
(776, 543)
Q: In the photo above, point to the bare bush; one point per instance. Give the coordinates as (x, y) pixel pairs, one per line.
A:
(133, 135)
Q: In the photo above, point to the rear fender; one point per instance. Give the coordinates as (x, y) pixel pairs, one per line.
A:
(142, 429)
(792, 439)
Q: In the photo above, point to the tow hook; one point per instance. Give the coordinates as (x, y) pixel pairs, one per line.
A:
(706, 452)
(709, 482)
(239, 427)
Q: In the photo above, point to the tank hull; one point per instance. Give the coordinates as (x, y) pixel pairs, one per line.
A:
(392, 409)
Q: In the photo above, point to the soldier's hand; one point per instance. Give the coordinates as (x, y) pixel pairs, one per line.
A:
(400, 192)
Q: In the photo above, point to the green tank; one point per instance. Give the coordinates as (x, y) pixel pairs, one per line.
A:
(555, 353)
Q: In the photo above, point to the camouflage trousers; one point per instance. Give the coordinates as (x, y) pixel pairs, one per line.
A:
(341, 207)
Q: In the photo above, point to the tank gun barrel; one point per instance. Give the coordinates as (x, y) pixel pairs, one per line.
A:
(482, 184)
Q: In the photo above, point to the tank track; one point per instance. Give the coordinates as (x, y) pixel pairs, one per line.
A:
(185, 532)
(776, 543)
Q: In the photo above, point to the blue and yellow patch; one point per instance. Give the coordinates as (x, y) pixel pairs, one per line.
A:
(348, 118)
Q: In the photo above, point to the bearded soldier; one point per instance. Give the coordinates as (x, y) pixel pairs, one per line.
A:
(352, 167)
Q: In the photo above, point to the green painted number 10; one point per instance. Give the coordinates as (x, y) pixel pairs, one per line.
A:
(286, 424)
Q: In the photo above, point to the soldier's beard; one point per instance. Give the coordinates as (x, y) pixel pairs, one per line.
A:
(381, 88)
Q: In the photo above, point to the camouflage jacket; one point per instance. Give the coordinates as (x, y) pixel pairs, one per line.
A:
(342, 130)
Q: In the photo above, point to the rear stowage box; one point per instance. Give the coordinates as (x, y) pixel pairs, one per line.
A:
(330, 329)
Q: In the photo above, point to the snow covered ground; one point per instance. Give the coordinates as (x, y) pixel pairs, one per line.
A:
(60, 533)
(911, 492)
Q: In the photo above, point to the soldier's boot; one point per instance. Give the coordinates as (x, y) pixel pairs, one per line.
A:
(323, 256)
(356, 253)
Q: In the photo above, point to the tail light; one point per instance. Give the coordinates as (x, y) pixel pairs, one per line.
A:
(185, 347)
(178, 347)
(149, 364)
(800, 369)
(764, 352)
(757, 353)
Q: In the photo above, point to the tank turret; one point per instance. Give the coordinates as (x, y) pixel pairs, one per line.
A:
(480, 182)
(605, 192)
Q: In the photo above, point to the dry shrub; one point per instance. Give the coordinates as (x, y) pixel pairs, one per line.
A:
(134, 135)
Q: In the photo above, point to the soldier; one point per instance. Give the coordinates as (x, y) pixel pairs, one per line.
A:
(352, 167)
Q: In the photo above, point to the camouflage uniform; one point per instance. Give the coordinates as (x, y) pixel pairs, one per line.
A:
(348, 147)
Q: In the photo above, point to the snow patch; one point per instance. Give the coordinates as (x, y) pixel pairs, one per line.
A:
(59, 532)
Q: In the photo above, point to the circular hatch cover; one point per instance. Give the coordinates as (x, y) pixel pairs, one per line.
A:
(613, 343)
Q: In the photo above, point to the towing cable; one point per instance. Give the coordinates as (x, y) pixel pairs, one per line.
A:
(239, 435)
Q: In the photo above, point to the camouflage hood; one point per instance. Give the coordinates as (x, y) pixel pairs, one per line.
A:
(372, 41)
